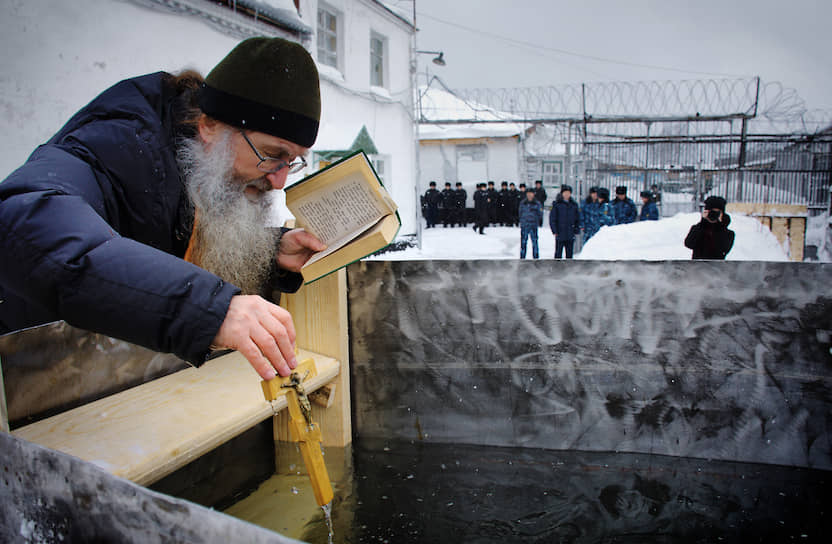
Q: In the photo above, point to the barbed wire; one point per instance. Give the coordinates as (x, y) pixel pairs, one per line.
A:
(770, 106)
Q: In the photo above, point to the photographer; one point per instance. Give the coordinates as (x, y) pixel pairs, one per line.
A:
(711, 238)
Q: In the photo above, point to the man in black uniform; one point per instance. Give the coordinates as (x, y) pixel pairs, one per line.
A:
(540, 195)
(492, 203)
(459, 205)
(513, 205)
(432, 199)
(448, 205)
(481, 207)
(503, 205)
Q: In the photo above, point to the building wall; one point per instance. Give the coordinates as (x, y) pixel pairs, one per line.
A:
(71, 51)
(439, 161)
(350, 102)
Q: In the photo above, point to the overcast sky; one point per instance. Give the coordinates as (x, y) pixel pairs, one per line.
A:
(780, 40)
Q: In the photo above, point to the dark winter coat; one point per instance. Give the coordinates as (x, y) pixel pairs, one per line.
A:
(531, 213)
(433, 198)
(540, 195)
(564, 219)
(590, 218)
(448, 199)
(481, 205)
(624, 211)
(93, 227)
(649, 212)
(460, 198)
(710, 240)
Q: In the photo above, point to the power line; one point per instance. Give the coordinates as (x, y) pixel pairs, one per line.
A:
(571, 53)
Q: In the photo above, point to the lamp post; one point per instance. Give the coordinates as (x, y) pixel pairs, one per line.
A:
(438, 60)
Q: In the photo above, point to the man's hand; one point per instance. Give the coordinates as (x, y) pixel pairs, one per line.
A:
(296, 246)
(263, 332)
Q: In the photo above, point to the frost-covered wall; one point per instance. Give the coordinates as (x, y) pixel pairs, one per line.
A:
(713, 360)
(60, 55)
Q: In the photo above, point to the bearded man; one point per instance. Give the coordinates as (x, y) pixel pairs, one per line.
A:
(144, 217)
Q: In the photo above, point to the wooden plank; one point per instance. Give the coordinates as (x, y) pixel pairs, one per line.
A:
(759, 208)
(319, 311)
(148, 431)
(797, 237)
(4, 413)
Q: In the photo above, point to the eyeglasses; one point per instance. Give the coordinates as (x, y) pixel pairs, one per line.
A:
(271, 165)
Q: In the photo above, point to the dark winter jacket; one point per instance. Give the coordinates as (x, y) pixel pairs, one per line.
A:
(540, 195)
(93, 227)
(531, 213)
(624, 211)
(433, 198)
(710, 240)
(649, 212)
(590, 218)
(564, 219)
(448, 199)
(460, 198)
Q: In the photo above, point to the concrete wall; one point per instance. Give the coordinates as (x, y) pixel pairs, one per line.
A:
(47, 496)
(719, 360)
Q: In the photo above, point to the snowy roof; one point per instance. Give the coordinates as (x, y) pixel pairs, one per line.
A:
(402, 10)
(281, 11)
(438, 104)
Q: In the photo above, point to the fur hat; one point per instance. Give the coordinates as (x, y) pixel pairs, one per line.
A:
(621, 190)
(715, 202)
(269, 85)
(646, 194)
(565, 187)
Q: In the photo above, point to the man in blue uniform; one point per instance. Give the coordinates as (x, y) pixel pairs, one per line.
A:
(624, 209)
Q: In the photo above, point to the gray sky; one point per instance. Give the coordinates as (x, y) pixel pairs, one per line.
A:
(780, 40)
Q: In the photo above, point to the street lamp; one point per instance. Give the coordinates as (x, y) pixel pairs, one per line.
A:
(438, 60)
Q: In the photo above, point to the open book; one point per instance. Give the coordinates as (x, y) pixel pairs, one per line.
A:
(347, 208)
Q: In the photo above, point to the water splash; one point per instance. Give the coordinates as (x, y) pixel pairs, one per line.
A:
(327, 508)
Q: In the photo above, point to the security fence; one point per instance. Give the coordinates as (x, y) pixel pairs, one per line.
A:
(743, 139)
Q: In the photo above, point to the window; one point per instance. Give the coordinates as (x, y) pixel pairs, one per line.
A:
(380, 165)
(377, 43)
(327, 37)
(553, 174)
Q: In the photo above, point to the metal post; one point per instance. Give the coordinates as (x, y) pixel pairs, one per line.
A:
(4, 413)
(646, 158)
(568, 159)
(741, 159)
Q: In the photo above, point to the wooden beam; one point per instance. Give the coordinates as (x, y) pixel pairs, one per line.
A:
(797, 237)
(4, 413)
(149, 431)
(319, 311)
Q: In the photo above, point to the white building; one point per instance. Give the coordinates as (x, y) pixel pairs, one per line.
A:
(467, 152)
(60, 55)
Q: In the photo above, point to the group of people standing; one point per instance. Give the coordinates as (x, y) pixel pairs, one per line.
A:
(511, 206)
(491, 207)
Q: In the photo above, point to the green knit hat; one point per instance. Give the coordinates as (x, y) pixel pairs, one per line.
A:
(269, 85)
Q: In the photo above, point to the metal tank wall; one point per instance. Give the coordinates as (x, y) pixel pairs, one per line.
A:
(712, 360)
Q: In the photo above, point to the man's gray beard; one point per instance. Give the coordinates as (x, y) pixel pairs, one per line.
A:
(230, 238)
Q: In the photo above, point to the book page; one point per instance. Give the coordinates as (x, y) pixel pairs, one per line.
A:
(338, 244)
(319, 212)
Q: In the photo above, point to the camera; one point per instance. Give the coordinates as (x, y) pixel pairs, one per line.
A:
(713, 215)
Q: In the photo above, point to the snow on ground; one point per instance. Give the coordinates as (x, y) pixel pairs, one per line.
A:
(648, 240)
(818, 235)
